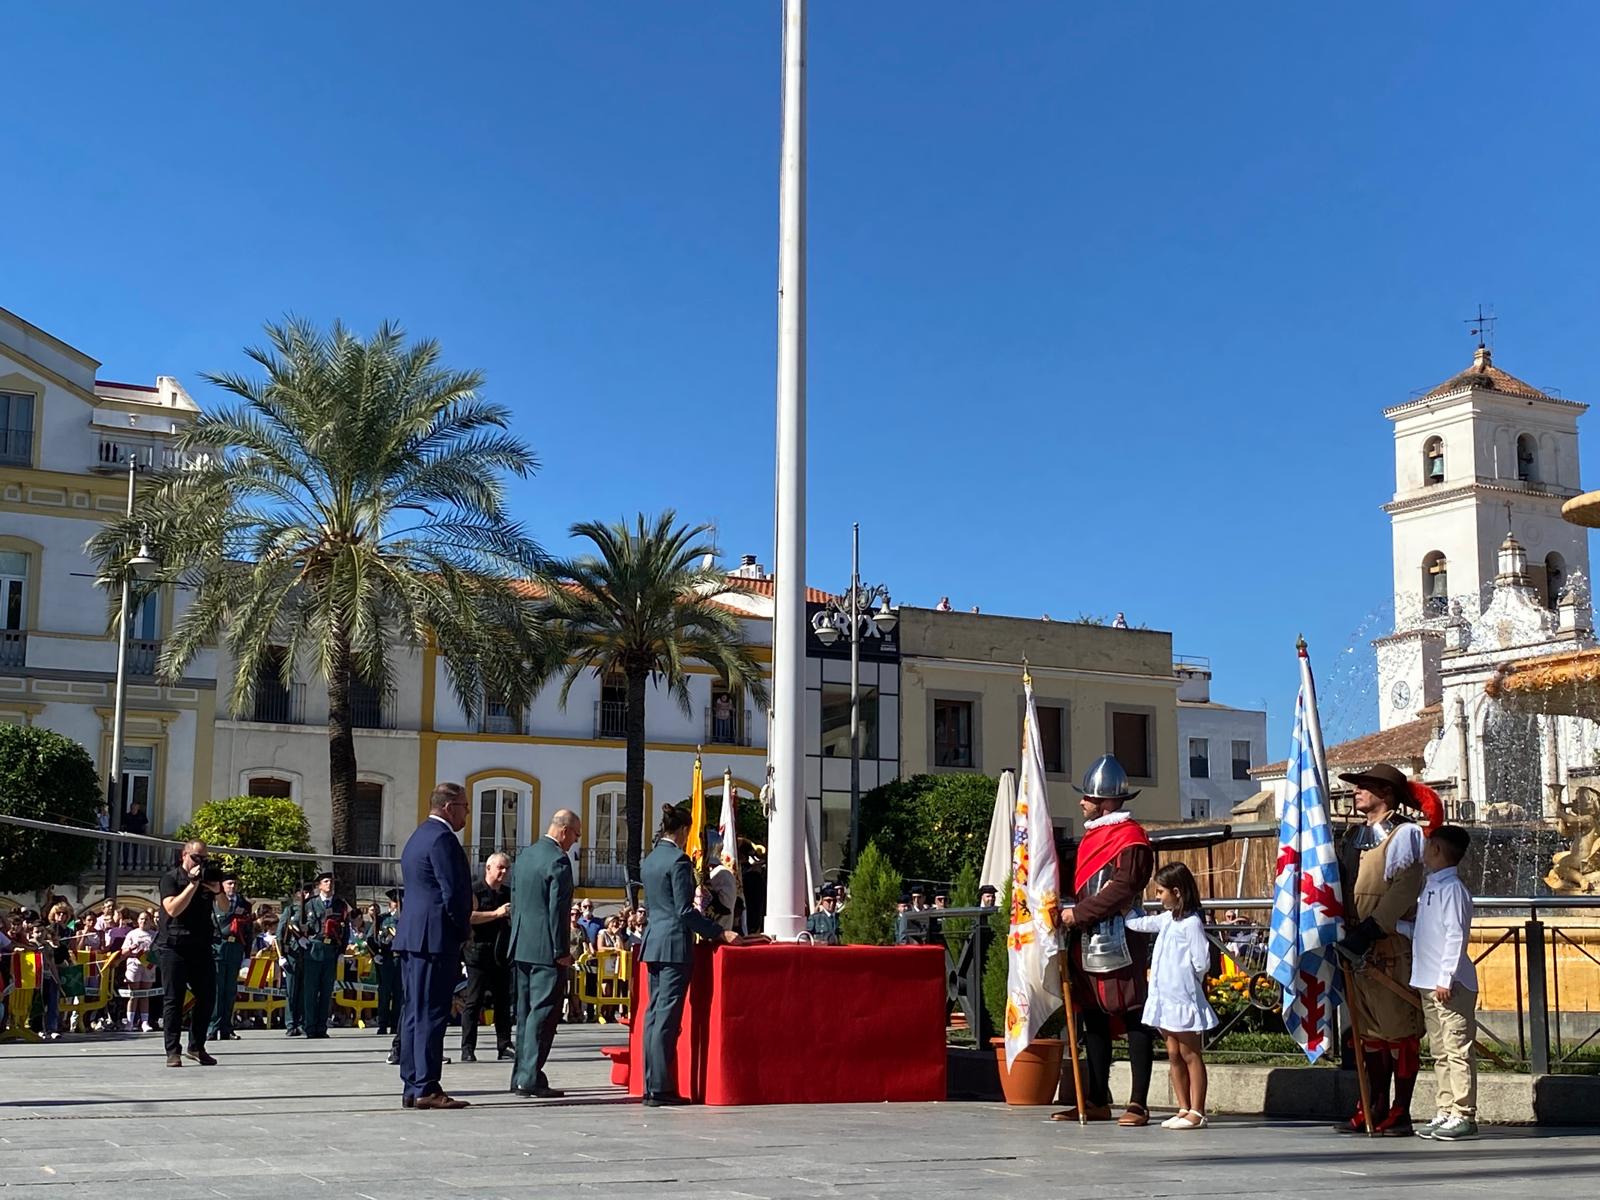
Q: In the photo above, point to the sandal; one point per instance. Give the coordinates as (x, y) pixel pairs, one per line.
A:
(1190, 1120)
(1176, 1120)
(1136, 1116)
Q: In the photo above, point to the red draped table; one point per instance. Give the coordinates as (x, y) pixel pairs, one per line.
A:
(801, 1024)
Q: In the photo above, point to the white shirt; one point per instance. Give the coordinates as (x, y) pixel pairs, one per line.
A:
(1439, 956)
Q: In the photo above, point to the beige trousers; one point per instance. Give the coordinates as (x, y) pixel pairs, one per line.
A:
(1452, 1027)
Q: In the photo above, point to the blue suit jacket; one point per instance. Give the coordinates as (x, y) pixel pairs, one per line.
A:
(438, 899)
(668, 879)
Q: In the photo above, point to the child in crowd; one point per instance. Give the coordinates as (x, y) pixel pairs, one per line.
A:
(1443, 974)
(1177, 1004)
(140, 975)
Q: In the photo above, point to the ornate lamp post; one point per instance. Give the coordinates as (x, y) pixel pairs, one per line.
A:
(846, 616)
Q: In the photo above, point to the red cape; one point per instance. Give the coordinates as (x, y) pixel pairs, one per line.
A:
(1100, 846)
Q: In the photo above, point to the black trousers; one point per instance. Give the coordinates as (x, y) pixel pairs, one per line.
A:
(1097, 1049)
(388, 1015)
(488, 987)
(187, 970)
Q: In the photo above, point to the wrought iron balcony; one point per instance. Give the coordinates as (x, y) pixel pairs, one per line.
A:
(276, 704)
(610, 718)
(13, 648)
(731, 728)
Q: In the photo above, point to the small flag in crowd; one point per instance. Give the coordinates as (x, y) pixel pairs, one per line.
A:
(1308, 910)
(1033, 979)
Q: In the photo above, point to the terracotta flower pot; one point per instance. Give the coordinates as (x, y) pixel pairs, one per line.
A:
(1033, 1078)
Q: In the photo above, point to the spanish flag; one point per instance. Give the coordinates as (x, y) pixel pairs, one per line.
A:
(697, 820)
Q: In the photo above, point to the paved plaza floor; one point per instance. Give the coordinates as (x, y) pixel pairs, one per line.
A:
(291, 1119)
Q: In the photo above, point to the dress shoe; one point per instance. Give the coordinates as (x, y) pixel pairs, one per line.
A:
(317, 1035)
(663, 1100)
(439, 1100)
(393, 1060)
(382, 1032)
(174, 1060)
(201, 1057)
(408, 1101)
(507, 1054)
(294, 1033)
(468, 1056)
(542, 1091)
(1091, 1112)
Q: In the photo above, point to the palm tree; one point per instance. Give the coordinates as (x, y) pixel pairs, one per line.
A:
(643, 607)
(349, 506)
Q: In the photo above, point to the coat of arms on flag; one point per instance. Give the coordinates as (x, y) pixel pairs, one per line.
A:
(1033, 981)
(1308, 909)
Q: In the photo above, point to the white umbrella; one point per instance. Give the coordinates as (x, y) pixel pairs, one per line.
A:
(997, 854)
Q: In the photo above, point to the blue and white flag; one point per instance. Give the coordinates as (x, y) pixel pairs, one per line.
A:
(1308, 906)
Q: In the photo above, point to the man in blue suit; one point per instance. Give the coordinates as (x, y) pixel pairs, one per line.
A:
(433, 925)
(668, 952)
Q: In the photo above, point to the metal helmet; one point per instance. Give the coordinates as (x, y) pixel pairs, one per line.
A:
(1106, 780)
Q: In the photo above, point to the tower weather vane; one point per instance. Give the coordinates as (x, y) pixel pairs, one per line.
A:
(1482, 325)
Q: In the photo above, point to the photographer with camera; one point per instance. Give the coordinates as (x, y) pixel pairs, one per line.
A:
(183, 948)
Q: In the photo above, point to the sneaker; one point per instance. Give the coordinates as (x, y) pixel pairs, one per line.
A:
(1426, 1131)
(147, 1027)
(1456, 1129)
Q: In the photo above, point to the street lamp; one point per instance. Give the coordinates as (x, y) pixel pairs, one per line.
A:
(141, 566)
(843, 616)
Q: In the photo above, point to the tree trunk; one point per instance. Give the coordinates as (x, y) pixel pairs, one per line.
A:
(341, 765)
(635, 813)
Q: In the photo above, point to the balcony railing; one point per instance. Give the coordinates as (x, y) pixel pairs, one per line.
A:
(279, 705)
(732, 728)
(374, 875)
(603, 866)
(16, 446)
(135, 858)
(610, 718)
(502, 722)
(369, 712)
(143, 656)
(113, 456)
(13, 648)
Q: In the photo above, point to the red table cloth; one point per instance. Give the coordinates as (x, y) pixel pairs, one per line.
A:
(803, 1024)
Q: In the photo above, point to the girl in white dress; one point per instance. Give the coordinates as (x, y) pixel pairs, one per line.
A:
(1177, 1004)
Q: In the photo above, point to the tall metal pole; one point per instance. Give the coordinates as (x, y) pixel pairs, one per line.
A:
(855, 691)
(786, 859)
(119, 712)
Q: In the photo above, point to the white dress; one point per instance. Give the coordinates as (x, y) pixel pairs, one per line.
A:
(1178, 966)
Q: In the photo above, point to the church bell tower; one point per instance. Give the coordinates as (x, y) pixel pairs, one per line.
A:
(1481, 456)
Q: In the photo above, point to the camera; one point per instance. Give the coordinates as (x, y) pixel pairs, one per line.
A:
(210, 872)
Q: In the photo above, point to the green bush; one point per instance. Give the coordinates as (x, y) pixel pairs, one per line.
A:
(46, 777)
(868, 920)
(997, 970)
(933, 825)
(255, 823)
(963, 894)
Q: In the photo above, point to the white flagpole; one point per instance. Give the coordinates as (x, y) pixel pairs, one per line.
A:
(1313, 717)
(788, 857)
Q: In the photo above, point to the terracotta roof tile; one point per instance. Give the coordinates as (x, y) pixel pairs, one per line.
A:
(1402, 745)
(1484, 374)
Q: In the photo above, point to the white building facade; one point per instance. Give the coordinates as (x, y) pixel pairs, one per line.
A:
(66, 440)
(1217, 746)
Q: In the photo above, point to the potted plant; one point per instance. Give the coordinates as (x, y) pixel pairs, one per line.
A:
(1033, 1078)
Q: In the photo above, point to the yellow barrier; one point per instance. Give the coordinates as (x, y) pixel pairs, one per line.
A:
(610, 984)
(359, 997)
(104, 967)
(26, 969)
(260, 987)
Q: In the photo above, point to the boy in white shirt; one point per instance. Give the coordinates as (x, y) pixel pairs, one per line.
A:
(1444, 976)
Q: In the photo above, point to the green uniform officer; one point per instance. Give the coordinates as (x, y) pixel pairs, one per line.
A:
(292, 959)
(387, 964)
(823, 925)
(327, 933)
(230, 920)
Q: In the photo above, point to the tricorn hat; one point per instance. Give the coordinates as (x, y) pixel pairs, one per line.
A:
(1106, 780)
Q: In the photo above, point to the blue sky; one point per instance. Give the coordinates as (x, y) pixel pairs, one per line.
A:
(1105, 300)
